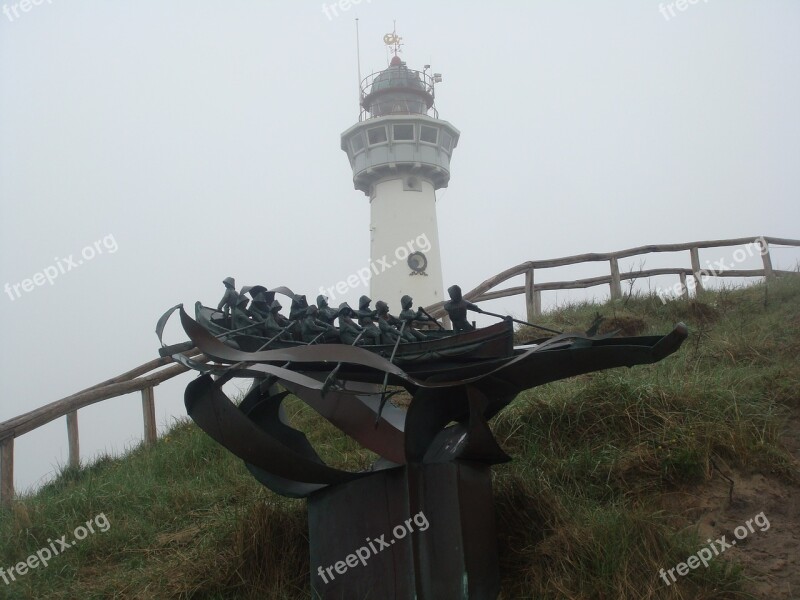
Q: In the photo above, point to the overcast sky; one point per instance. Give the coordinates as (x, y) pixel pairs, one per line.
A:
(193, 140)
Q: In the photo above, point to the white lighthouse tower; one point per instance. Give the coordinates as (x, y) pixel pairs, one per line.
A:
(400, 155)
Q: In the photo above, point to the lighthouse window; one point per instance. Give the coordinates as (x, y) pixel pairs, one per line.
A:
(376, 135)
(428, 134)
(447, 141)
(403, 132)
(357, 141)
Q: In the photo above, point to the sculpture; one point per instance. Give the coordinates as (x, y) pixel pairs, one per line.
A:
(312, 328)
(409, 316)
(435, 458)
(241, 316)
(325, 312)
(457, 309)
(349, 332)
(298, 309)
(229, 298)
(366, 319)
(276, 324)
(259, 307)
(387, 325)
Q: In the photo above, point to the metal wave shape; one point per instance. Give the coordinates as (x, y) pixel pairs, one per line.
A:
(453, 397)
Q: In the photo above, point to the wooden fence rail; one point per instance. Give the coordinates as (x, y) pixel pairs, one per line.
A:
(135, 380)
(533, 291)
(144, 380)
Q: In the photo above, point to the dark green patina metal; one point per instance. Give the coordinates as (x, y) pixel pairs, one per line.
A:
(434, 457)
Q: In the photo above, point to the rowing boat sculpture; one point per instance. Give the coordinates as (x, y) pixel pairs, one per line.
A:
(434, 457)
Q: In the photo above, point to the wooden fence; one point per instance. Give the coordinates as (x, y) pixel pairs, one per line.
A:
(533, 291)
(147, 376)
(141, 379)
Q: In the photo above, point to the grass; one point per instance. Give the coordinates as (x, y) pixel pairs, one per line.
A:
(578, 510)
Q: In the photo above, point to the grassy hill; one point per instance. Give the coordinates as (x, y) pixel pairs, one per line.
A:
(616, 475)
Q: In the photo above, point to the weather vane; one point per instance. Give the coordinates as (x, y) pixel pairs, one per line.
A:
(392, 39)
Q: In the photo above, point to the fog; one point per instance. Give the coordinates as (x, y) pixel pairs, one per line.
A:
(184, 142)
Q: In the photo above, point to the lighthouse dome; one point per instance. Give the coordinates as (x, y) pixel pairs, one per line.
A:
(397, 90)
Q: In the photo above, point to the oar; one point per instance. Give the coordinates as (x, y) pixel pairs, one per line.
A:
(232, 331)
(272, 339)
(491, 314)
(384, 396)
(332, 375)
(422, 310)
(321, 333)
(286, 365)
(276, 336)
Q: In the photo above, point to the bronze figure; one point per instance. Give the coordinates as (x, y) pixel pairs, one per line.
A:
(366, 319)
(349, 331)
(230, 298)
(325, 312)
(457, 309)
(390, 325)
(311, 327)
(409, 315)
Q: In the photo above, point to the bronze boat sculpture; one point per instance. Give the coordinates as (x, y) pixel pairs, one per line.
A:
(434, 457)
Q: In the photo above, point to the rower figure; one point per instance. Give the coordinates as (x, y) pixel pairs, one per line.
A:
(276, 323)
(366, 318)
(388, 325)
(348, 330)
(408, 315)
(324, 312)
(298, 308)
(243, 294)
(457, 309)
(259, 307)
(230, 298)
(241, 316)
(311, 328)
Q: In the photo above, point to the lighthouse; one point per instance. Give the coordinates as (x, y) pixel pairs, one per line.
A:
(400, 153)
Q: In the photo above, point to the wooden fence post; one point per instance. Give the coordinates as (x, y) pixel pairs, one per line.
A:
(537, 303)
(765, 257)
(530, 296)
(684, 287)
(695, 254)
(149, 413)
(616, 286)
(73, 440)
(7, 471)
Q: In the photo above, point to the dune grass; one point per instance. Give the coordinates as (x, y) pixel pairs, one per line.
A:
(578, 509)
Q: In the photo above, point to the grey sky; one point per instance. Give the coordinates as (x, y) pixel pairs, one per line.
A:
(203, 137)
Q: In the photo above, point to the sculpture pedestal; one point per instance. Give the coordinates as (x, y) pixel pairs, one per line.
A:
(454, 557)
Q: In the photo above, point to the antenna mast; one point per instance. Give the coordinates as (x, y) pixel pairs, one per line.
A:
(358, 61)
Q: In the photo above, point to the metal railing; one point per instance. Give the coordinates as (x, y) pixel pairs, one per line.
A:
(426, 87)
